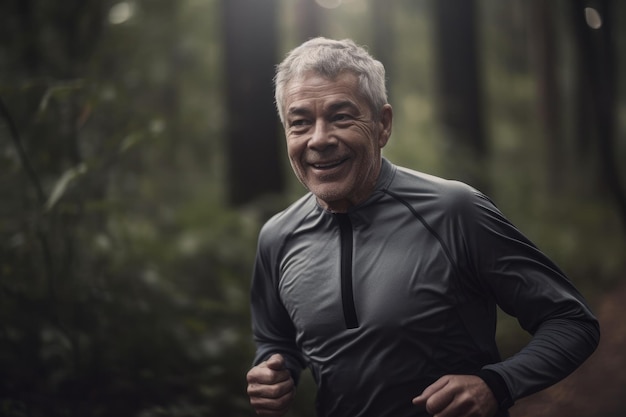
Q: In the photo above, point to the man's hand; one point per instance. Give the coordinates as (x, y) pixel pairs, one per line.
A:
(270, 387)
(458, 396)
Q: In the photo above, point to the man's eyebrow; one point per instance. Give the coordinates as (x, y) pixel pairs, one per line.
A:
(344, 104)
(298, 111)
(331, 108)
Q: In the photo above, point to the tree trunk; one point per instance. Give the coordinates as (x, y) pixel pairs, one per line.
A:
(544, 57)
(460, 107)
(252, 147)
(308, 19)
(597, 81)
(383, 34)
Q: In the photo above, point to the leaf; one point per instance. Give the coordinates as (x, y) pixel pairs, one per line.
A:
(130, 141)
(62, 184)
(62, 87)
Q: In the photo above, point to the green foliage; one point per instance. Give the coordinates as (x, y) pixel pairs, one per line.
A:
(115, 300)
(123, 281)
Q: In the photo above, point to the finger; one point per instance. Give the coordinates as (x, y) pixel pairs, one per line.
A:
(439, 401)
(269, 410)
(272, 406)
(274, 391)
(266, 376)
(430, 390)
(263, 374)
(273, 397)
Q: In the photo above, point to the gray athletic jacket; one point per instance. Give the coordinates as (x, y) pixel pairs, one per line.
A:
(382, 301)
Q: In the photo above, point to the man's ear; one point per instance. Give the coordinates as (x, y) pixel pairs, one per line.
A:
(385, 122)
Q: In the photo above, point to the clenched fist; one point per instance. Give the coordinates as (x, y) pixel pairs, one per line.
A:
(270, 387)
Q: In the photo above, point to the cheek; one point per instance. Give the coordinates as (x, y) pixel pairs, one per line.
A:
(293, 150)
(368, 136)
(295, 159)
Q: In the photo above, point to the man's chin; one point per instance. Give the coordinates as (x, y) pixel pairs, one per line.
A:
(331, 199)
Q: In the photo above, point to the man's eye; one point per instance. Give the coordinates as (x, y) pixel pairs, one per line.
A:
(298, 123)
(341, 117)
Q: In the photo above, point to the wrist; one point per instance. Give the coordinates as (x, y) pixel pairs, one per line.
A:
(498, 387)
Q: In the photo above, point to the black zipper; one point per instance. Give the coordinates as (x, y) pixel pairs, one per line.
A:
(347, 296)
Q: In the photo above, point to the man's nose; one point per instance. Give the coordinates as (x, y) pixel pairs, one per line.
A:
(321, 136)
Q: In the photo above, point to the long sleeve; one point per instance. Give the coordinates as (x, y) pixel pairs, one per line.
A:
(528, 286)
(272, 327)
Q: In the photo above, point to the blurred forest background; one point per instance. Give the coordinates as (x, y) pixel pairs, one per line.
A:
(140, 153)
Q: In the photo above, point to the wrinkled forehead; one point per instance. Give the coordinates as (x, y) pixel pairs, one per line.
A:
(312, 84)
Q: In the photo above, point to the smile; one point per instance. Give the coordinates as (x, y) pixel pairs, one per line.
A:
(328, 165)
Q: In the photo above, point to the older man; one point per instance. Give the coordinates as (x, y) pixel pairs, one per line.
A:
(385, 281)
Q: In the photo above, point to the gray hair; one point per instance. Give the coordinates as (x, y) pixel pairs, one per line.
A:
(329, 58)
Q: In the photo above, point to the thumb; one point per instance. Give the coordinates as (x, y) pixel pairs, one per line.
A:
(276, 362)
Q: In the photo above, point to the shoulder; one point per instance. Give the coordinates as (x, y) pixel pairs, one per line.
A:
(282, 224)
(420, 188)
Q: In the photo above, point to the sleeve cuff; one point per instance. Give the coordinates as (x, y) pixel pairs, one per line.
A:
(498, 387)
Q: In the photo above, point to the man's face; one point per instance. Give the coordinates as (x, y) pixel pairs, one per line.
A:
(333, 141)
